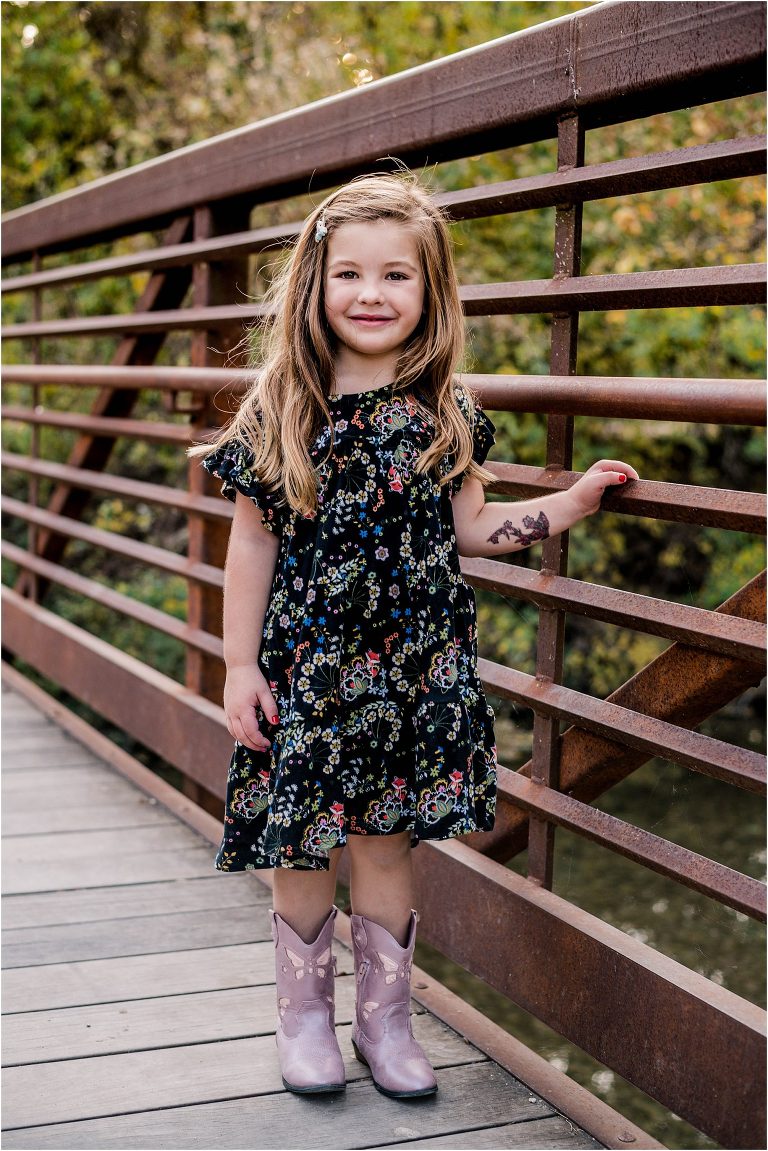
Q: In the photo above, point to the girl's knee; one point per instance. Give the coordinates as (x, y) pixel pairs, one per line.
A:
(380, 850)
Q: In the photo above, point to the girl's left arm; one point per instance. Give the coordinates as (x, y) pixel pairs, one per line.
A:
(490, 529)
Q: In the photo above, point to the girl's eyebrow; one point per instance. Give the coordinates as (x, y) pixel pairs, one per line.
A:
(405, 263)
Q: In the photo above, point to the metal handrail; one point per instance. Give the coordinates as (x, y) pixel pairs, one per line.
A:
(486, 100)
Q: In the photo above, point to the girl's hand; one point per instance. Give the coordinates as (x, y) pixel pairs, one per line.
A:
(587, 492)
(245, 690)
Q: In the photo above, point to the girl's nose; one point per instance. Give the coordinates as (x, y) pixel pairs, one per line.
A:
(369, 292)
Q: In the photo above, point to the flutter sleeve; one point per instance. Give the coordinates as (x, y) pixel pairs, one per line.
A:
(483, 437)
(232, 463)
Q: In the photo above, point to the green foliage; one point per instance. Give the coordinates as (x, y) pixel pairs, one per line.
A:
(91, 88)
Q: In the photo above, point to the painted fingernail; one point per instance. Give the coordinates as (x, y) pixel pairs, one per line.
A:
(622, 479)
(275, 718)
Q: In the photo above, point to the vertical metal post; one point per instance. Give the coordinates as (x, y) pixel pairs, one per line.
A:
(31, 587)
(212, 283)
(545, 760)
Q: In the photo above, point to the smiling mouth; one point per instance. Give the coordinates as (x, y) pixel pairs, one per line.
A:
(372, 319)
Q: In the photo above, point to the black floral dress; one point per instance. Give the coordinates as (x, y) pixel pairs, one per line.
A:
(369, 647)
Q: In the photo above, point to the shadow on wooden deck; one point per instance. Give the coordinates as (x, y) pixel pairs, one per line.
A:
(138, 989)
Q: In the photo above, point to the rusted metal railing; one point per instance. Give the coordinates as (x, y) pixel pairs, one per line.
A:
(614, 996)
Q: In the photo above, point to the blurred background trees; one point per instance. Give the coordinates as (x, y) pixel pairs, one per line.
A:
(92, 88)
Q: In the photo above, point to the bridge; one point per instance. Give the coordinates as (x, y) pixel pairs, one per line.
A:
(138, 998)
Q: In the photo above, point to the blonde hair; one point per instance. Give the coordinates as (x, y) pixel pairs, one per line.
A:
(286, 408)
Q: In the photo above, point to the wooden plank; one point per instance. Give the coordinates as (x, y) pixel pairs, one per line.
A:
(230, 1070)
(50, 875)
(88, 774)
(141, 811)
(17, 732)
(89, 769)
(217, 890)
(534, 1135)
(58, 985)
(70, 789)
(43, 735)
(143, 1024)
(76, 942)
(63, 756)
(84, 847)
(15, 706)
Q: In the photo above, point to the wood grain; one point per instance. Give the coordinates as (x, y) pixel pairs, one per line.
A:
(112, 937)
(216, 890)
(139, 992)
(58, 985)
(236, 1070)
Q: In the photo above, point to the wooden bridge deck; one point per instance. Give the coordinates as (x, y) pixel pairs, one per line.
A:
(138, 991)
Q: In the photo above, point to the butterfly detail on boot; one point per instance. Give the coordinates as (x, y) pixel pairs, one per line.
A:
(309, 966)
(382, 1036)
(309, 1054)
(393, 970)
(368, 1008)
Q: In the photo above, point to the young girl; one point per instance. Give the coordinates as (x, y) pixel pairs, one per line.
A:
(355, 464)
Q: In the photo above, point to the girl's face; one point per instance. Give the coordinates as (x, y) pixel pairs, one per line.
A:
(374, 290)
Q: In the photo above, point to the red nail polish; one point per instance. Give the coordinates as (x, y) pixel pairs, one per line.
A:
(275, 718)
(622, 479)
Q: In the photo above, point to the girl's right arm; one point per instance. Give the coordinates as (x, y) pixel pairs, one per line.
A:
(250, 569)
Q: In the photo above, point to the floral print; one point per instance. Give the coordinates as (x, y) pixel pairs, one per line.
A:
(369, 646)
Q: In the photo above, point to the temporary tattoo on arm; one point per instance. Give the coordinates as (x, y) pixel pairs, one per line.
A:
(536, 529)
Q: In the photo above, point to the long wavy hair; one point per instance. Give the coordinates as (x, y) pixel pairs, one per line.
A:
(286, 407)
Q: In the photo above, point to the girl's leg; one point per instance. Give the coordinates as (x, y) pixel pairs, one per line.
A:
(302, 928)
(381, 876)
(383, 938)
(304, 898)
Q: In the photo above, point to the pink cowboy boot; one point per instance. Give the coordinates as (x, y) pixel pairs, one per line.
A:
(310, 1059)
(381, 1035)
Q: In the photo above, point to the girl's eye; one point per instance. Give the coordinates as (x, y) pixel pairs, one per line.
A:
(398, 276)
(348, 274)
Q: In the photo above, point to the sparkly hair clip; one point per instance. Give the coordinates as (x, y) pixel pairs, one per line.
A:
(321, 228)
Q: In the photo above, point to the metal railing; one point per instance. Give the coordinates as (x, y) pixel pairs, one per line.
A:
(608, 64)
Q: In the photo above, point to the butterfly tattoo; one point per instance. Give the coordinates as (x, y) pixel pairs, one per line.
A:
(536, 529)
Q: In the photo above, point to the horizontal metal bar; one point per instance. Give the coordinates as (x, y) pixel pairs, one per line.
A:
(678, 503)
(723, 884)
(166, 379)
(112, 542)
(701, 753)
(105, 426)
(508, 92)
(544, 943)
(226, 247)
(698, 164)
(741, 638)
(688, 399)
(184, 501)
(218, 317)
(652, 1020)
(127, 606)
(671, 288)
(182, 727)
(674, 288)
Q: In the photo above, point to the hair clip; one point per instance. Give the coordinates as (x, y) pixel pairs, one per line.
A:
(321, 228)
